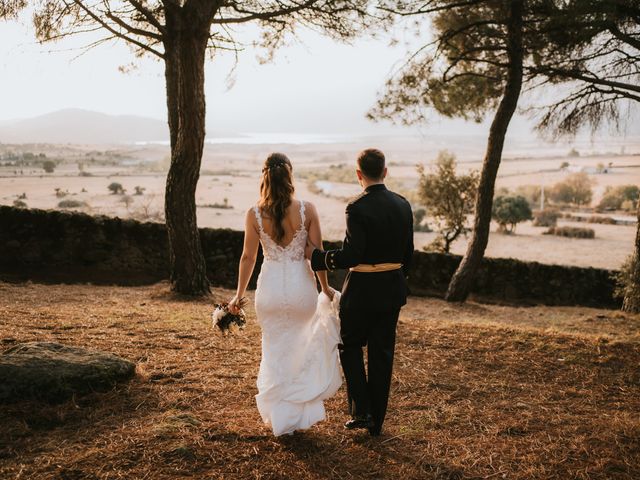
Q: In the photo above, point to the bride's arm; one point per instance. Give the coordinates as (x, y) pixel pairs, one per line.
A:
(315, 238)
(248, 258)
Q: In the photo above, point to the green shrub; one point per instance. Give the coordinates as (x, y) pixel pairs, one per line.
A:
(508, 211)
(572, 232)
(448, 198)
(546, 218)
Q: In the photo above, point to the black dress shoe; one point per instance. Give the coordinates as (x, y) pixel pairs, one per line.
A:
(375, 431)
(363, 421)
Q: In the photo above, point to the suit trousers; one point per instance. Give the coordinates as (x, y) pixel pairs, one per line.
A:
(368, 392)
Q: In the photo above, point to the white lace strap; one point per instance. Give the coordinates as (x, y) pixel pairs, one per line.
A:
(302, 217)
(256, 210)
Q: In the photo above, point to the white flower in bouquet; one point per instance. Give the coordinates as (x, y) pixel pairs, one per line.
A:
(222, 317)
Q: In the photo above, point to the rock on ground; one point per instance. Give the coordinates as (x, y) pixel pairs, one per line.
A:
(53, 372)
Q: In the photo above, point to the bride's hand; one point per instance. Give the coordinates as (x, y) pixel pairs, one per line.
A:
(233, 305)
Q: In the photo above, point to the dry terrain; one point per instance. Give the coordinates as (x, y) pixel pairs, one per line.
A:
(231, 172)
(479, 391)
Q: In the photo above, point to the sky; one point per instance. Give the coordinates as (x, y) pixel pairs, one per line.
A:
(313, 86)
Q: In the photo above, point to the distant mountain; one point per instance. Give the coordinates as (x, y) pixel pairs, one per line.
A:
(83, 127)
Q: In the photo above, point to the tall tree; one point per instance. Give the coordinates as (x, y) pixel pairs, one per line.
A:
(631, 301)
(475, 61)
(460, 284)
(181, 33)
(591, 48)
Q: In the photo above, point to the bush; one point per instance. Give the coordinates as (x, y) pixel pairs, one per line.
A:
(601, 220)
(19, 204)
(573, 232)
(623, 197)
(591, 219)
(49, 166)
(71, 204)
(628, 284)
(575, 190)
(530, 192)
(116, 188)
(224, 206)
(419, 225)
(546, 218)
(61, 193)
(139, 190)
(508, 211)
(448, 198)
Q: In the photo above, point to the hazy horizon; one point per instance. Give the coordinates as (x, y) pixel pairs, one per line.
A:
(316, 86)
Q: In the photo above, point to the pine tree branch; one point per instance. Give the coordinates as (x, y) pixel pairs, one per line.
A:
(577, 75)
(153, 20)
(115, 32)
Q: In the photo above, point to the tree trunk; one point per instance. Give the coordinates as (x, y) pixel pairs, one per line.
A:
(185, 47)
(630, 301)
(462, 279)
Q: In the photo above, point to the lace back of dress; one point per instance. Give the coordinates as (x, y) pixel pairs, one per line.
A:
(294, 251)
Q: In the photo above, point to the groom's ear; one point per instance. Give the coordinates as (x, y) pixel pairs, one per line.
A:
(384, 173)
(359, 174)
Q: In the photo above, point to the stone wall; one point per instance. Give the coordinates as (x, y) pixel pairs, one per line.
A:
(61, 246)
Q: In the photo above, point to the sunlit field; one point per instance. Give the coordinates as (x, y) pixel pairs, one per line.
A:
(229, 185)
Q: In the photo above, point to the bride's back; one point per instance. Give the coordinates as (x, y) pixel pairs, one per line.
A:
(291, 224)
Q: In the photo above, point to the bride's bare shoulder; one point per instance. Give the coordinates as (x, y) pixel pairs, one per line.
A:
(251, 217)
(310, 208)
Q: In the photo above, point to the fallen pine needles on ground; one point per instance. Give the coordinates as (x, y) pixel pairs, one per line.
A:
(479, 391)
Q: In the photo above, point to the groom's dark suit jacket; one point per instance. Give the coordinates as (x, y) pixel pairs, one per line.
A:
(379, 230)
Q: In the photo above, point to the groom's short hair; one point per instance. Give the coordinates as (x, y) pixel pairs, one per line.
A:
(371, 163)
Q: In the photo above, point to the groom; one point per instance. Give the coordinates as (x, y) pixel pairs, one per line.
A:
(377, 250)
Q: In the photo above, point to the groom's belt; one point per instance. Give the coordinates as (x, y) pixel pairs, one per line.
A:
(377, 267)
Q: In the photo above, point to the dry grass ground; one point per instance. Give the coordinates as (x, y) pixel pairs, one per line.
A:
(479, 391)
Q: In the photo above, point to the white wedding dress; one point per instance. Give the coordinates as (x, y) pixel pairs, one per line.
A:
(300, 335)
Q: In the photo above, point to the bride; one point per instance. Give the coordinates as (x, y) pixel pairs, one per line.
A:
(300, 330)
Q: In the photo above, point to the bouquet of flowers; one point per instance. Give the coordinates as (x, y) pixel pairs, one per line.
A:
(224, 319)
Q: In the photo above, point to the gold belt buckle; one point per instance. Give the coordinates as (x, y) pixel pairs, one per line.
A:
(378, 267)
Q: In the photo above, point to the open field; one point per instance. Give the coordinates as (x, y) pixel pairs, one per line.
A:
(231, 172)
(479, 391)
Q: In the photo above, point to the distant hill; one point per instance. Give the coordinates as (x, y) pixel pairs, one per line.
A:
(83, 127)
